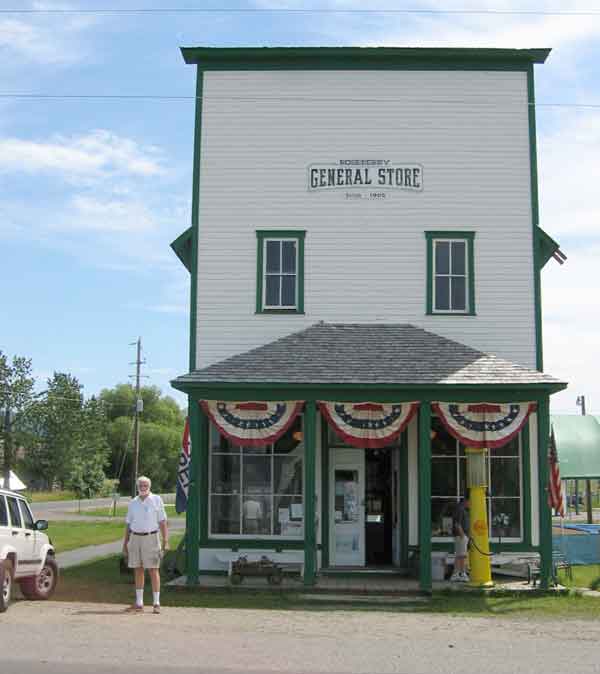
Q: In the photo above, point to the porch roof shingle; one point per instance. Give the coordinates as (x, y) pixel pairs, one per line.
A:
(333, 353)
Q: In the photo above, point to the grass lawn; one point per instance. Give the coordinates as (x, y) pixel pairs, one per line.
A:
(100, 581)
(107, 511)
(583, 576)
(37, 496)
(70, 535)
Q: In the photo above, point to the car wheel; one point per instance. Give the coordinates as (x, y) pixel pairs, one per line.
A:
(6, 581)
(43, 585)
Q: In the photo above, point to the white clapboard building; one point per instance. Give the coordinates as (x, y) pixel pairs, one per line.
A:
(365, 257)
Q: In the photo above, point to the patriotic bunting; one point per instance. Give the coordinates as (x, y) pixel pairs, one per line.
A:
(368, 425)
(252, 424)
(183, 470)
(483, 424)
(555, 497)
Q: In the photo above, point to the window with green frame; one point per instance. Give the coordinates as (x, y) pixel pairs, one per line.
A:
(280, 271)
(450, 273)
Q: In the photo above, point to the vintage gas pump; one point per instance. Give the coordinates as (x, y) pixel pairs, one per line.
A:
(479, 549)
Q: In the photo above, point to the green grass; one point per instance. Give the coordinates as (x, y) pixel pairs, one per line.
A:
(37, 496)
(101, 581)
(107, 511)
(70, 535)
(583, 576)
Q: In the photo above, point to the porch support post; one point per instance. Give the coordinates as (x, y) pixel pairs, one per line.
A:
(310, 533)
(192, 513)
(425, 496)
(543, 411)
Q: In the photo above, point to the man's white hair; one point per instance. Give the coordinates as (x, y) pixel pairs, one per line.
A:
(143, 478)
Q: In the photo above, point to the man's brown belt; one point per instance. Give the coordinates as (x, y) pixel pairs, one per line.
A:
(144, 533)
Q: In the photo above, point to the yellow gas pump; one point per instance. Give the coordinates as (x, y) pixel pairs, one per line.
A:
(479, 550)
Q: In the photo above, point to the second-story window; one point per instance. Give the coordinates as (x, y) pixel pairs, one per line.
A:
(280, 273)
(450, 273)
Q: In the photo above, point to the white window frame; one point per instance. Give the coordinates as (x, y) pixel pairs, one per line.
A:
(279, 239)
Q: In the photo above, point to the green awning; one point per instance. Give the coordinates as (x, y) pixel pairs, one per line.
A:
(577, 445)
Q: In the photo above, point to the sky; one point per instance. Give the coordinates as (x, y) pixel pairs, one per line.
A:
(93, 190)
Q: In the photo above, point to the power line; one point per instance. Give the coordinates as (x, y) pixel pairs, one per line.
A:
(303, 10)
(292, 99)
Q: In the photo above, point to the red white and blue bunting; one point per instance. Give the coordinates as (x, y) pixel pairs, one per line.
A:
(252, 424)
(484, 424)
(368, 425)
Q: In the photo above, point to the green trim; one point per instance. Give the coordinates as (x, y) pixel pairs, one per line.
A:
(404, 500)
(204, 458)
(261, 235)
(377, 392)
(535, 219)
(320, 58)
(310, 534)
(182, 246)
(213, 572)
(526, 484)
(543, 412)
(424, 479)
(324, 493)
(546, 246)
(469, 237)
(195, 221)
(195, 494)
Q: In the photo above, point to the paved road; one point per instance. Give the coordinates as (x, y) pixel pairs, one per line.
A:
(54, 510)
(99, 638)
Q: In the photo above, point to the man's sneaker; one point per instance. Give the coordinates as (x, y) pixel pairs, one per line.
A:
(156, 608)
(134, 608)
(464, 577)
(456, 577)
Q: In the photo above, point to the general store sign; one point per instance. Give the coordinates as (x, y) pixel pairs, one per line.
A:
(370, 174)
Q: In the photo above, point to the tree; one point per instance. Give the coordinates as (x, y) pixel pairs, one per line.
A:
(16, 392)
(160, 434)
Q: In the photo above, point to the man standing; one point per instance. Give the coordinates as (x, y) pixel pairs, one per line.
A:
(460, 526)
(145, 516)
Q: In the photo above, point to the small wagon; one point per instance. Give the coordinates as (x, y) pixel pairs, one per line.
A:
(264, 567)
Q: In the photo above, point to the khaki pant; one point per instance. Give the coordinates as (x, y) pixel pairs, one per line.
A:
(143, 551)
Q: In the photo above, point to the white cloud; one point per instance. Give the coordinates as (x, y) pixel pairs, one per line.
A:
(108, 215)
(95, 154)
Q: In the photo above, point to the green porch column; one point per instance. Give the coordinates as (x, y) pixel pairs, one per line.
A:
(310, 532)
(197, 493)
(543, 411)
(425, 497)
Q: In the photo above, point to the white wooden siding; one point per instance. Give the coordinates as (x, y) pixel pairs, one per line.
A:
(365, 262)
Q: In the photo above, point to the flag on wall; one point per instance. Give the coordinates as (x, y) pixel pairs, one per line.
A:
(183, 470)
(555, 495)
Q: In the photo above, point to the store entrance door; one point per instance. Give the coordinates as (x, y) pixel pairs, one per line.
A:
(347, 504)
(379, 507)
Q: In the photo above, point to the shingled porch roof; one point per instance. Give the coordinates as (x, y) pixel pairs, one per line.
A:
(355, 354)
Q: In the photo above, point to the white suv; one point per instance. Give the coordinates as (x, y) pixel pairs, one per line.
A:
(26, 554)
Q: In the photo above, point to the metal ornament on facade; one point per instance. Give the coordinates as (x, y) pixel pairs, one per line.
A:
(252, 424)
(367, 424)
(484, 424)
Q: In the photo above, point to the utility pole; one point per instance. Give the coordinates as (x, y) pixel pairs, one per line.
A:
(139, 408)
(588, 482)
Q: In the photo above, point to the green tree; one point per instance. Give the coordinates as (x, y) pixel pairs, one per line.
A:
(16, 393)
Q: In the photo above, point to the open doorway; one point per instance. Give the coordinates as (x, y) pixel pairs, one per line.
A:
(378, 507)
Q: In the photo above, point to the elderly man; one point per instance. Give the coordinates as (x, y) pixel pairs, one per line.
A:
(145, 517)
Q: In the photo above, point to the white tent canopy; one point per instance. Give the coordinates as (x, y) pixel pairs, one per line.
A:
(15, 483)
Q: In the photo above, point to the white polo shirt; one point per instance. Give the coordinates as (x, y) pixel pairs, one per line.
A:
(145, 516)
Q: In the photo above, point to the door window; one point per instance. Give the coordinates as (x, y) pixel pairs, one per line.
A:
(15, 515)
(3, 512)
(346, 495)
(27, 516)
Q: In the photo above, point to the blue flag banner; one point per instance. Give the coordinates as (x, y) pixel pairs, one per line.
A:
(183, 470)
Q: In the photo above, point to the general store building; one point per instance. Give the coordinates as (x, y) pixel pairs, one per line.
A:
(365, 257)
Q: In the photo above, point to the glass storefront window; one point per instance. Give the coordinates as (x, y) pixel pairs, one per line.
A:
(257, 491)
(449, 485)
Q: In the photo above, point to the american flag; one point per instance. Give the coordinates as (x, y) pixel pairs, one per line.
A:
(183, 470)
(555, 499)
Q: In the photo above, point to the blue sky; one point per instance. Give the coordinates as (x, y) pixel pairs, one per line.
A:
(93, 191)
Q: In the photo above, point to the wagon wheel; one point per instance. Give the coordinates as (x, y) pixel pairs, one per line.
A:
(236, 578)
(275, 578)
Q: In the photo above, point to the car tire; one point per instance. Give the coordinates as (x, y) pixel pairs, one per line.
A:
(6, 584)
(42, 586)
